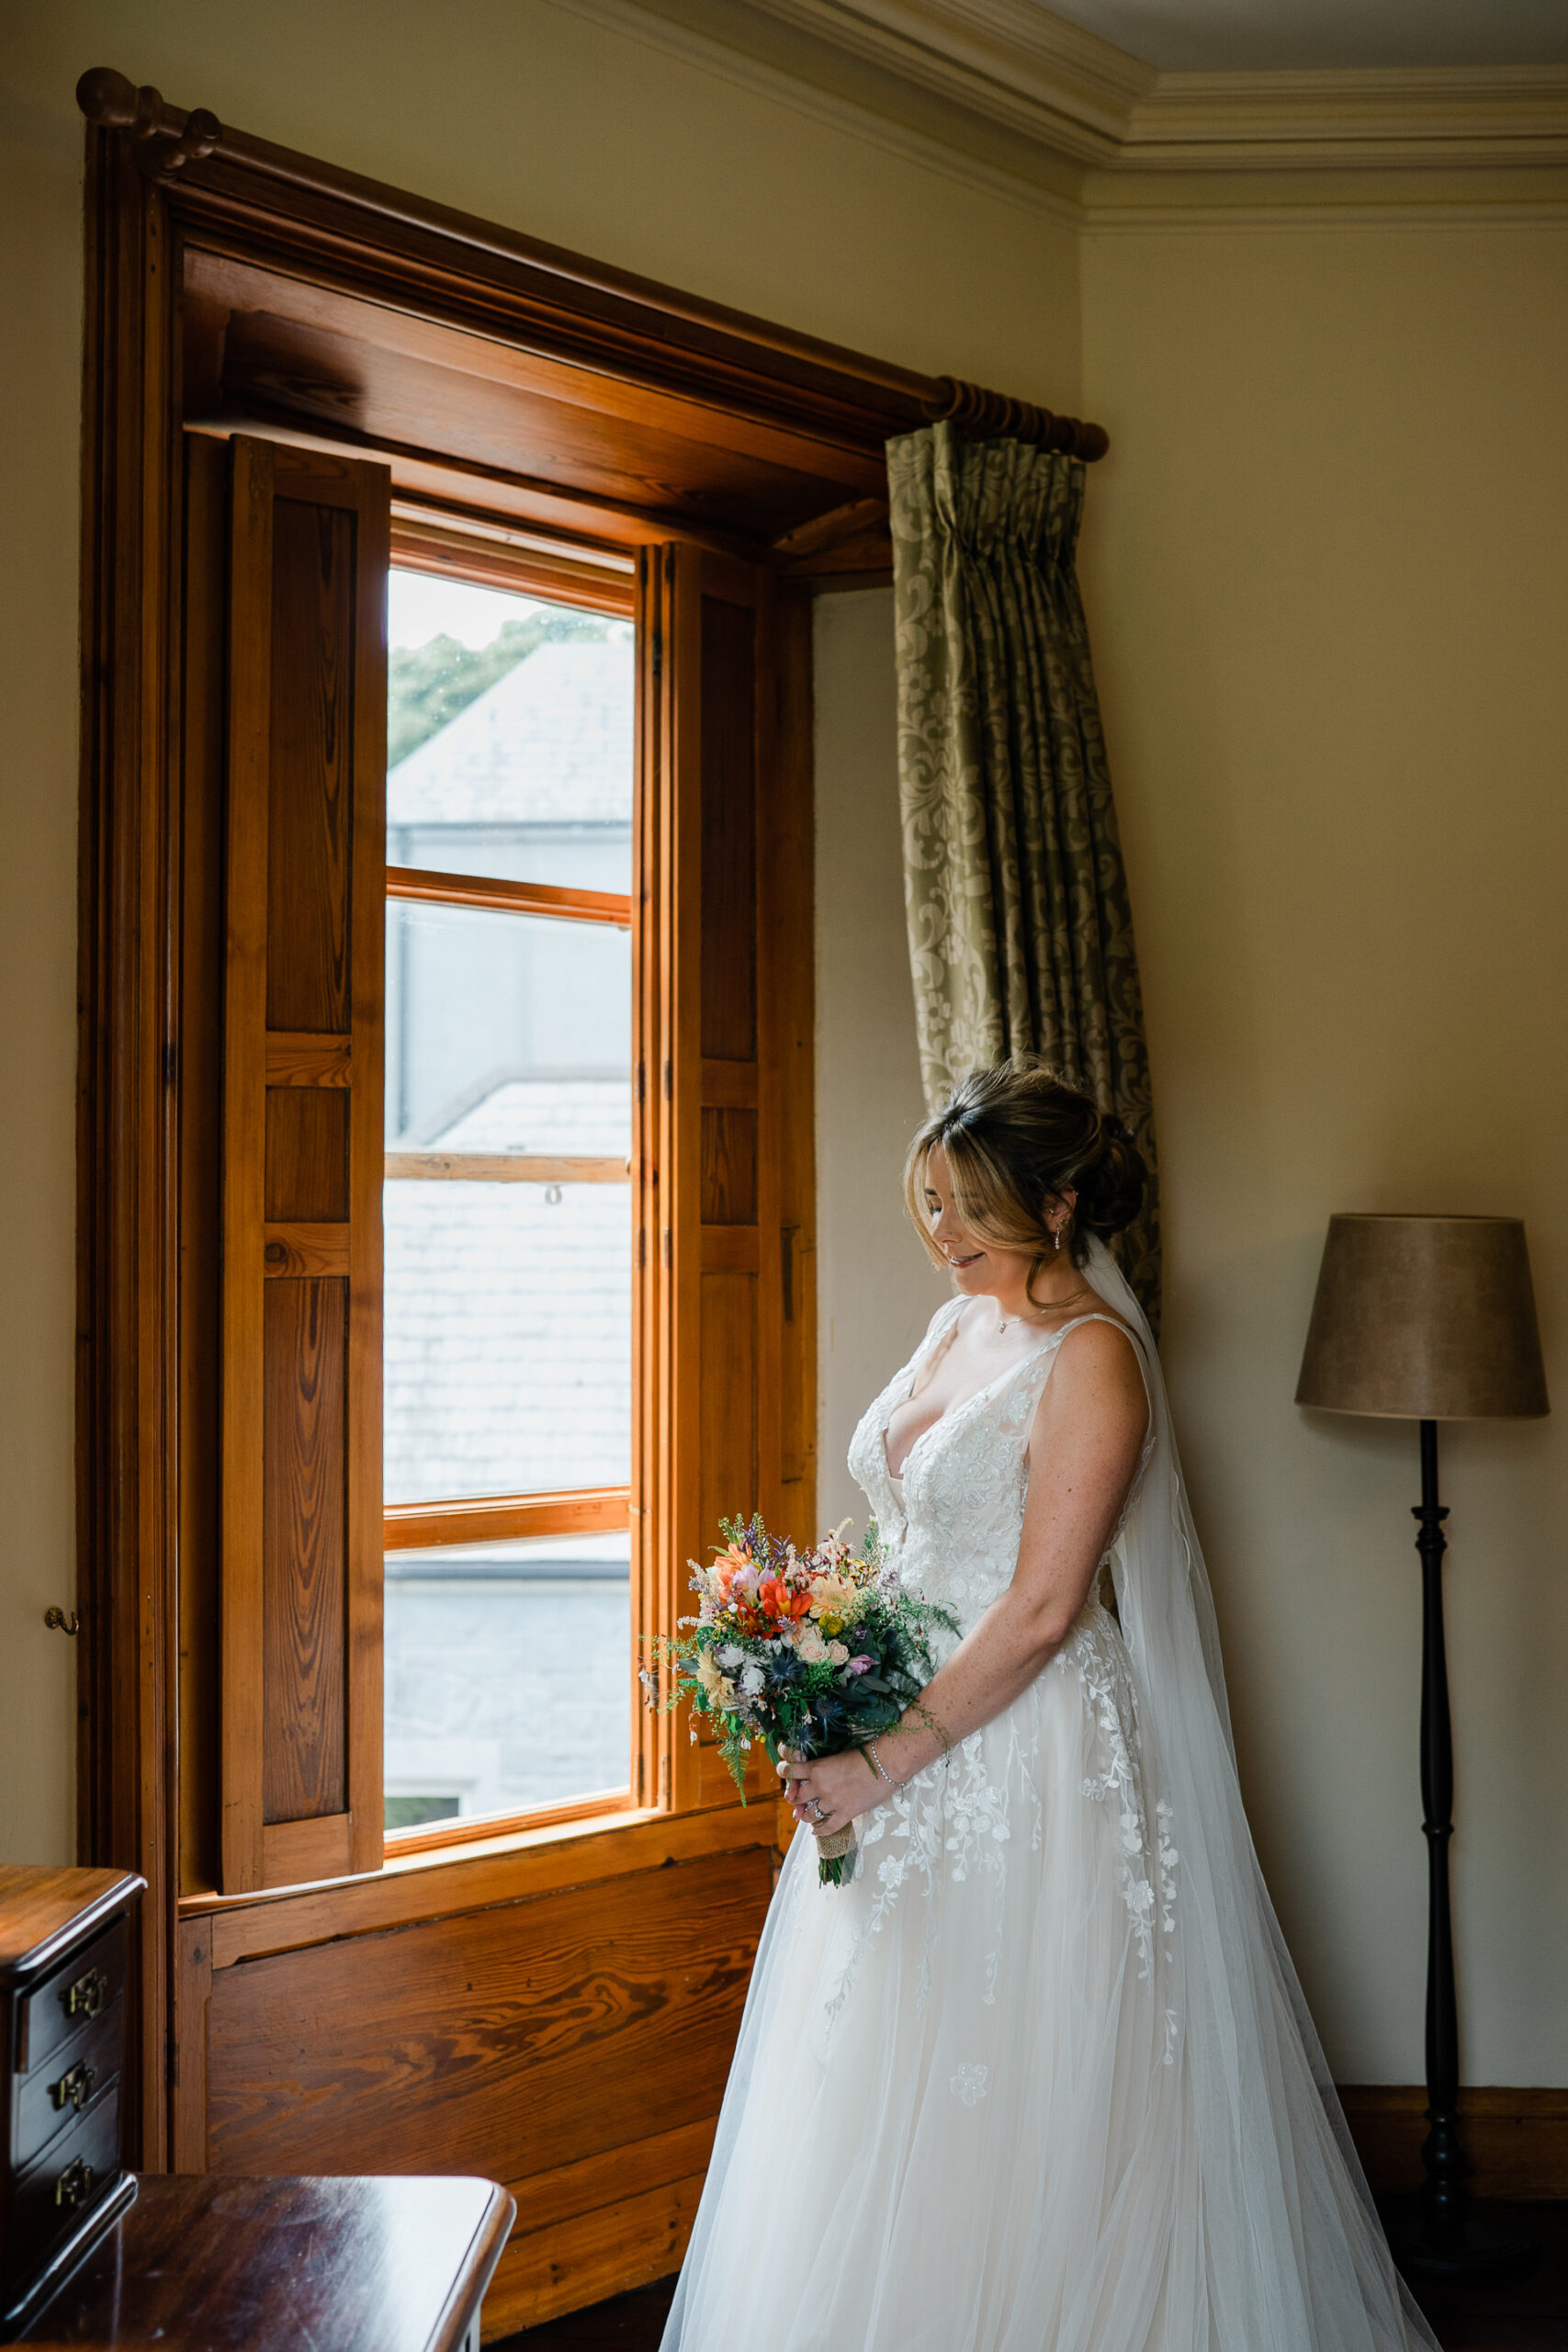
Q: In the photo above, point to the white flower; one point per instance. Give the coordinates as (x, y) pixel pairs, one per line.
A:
(811, 1646)
(730, 1656)
(751, 1676)
(838, 1653)
(969, 2085)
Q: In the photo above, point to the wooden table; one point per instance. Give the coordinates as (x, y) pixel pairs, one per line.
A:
(208, 2263)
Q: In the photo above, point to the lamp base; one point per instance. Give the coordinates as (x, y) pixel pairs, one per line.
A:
(1486, 2241)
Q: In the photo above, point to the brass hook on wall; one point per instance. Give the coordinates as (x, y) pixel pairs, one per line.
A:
(58, 1618)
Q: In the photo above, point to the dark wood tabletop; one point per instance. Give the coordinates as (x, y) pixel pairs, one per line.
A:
(213, 2264)
(43, 1909)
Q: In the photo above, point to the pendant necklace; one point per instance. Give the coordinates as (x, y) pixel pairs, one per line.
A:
(1003, 1320)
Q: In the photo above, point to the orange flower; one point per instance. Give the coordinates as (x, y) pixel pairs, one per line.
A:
(775, 1597)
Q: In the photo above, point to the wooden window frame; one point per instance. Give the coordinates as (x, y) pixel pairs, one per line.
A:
(692, 427)
(558, 575)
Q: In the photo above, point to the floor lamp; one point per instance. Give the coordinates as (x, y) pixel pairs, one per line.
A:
(1432, 1318)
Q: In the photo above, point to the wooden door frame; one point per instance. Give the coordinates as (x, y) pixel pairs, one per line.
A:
(128, 1331)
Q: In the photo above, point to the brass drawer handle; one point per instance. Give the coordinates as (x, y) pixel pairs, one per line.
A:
(74, 2183)
(74, 2088)
(86, 1998)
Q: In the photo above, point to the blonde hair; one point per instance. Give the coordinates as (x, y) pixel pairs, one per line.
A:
(1017, 1137)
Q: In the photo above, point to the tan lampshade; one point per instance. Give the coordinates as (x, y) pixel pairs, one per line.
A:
(1429, 1318)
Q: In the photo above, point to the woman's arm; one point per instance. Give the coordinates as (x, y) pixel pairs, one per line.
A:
(1084, 1445)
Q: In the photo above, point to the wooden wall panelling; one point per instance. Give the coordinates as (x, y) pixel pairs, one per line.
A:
(300, 1509)
(582, 2258)
(1515, 2139)
(578, 2041)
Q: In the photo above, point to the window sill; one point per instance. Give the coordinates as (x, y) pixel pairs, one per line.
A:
(509, 1867)
(600, 1811)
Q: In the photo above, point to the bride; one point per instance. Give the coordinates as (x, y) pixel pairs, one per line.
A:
(1041, 2077)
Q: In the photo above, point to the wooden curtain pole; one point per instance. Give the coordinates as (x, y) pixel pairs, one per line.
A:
(980, 415)
(880, 396)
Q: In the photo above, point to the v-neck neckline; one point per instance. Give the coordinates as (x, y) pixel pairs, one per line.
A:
(897, 1478)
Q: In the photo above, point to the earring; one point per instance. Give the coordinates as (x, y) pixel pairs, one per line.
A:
(1056, 1237)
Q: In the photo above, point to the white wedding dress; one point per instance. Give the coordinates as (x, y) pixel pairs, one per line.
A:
(1040, 2079)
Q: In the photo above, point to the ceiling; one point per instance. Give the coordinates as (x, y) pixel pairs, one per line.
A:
(1240, 35)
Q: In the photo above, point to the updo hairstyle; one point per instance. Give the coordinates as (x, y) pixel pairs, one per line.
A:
(1016, 1137)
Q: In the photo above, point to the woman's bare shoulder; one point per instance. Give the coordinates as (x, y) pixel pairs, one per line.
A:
(1102, 1330)
(1100, 1362)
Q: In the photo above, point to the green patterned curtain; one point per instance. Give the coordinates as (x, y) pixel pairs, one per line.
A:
(1020, 933)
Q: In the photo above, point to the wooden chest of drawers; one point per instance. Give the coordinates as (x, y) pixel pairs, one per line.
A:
(65, 1945)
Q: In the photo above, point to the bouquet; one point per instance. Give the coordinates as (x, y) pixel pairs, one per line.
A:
(814, 1651)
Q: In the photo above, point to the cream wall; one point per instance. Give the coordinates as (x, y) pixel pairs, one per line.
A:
(519, 112)
(1328, 579)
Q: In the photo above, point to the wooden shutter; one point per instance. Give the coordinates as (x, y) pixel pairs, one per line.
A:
(300, 1509)
(728, 1181)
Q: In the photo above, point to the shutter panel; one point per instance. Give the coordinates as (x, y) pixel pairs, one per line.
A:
(726, 731)
(300, 1535)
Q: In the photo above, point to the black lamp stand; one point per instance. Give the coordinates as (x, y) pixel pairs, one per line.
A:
(1444, 2234)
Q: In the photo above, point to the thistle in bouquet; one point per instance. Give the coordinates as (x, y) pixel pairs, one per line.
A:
(813, 1651)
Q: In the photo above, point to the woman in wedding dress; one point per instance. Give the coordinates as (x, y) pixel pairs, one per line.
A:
(1040, 2079)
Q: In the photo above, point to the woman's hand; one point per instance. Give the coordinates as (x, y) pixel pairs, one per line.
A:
(830, 1791)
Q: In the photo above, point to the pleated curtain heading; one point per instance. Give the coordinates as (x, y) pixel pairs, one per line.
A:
(1021, 930)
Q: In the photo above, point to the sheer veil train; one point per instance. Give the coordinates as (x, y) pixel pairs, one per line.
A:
(1296, 2249)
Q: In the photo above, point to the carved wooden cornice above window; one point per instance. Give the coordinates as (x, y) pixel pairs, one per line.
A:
(592, 399)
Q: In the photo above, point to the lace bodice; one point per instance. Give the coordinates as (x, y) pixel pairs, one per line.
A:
(955, 1519)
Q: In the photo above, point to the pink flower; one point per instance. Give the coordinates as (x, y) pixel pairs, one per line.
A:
(860, 1664)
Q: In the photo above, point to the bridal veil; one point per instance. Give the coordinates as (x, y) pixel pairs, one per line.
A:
(1296, 2254)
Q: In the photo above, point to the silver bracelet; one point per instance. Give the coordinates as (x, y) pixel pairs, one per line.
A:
(882, 1769)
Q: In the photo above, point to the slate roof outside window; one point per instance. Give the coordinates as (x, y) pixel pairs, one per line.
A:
(508, 1305)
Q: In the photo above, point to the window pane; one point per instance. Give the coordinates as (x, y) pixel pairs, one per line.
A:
(508, 1338)
(508, 1304)
(508, 1676)
(509, 736)
(506, 1032)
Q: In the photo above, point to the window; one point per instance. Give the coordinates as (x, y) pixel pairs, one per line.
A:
(507, 1337)
(358, 385)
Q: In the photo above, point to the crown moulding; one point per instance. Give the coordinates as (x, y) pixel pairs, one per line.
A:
(1011, 62)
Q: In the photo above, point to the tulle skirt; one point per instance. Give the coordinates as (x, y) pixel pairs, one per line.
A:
(957, 2119)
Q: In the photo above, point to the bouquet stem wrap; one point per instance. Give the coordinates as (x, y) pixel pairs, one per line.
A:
(836, 1855)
